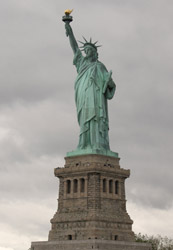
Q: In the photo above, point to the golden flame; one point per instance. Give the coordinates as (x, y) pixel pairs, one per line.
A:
(68, 12)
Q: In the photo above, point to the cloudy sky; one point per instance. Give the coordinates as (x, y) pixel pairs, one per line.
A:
(37, 111)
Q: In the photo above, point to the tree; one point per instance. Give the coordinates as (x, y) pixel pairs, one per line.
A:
(157, 242)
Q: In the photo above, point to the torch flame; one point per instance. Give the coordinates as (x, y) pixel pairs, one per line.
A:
(68, 12)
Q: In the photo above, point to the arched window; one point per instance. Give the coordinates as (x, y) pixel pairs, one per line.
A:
(110, 186)
(115, 237)
(104, 185)
(75, 185)
(82, 185)
(68, 186)
(69, 237)
(116, 187)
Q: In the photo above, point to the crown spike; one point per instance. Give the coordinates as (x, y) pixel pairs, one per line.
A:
(81, 42)
(85, 39)
(89, 43)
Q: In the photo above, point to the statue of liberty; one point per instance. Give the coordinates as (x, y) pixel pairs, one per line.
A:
(93, 87)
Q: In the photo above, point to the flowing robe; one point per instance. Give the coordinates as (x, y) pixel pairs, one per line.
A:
(91, 94)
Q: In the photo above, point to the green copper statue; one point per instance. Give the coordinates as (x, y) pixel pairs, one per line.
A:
(93, 87)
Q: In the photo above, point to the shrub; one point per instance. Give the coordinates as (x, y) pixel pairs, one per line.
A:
(157, 242)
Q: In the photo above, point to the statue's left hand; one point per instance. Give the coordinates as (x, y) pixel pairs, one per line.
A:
(110, 82)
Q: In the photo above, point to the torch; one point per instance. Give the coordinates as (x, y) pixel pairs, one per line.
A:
(67, 18)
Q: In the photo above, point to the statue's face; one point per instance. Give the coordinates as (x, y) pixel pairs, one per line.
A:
(89, 51)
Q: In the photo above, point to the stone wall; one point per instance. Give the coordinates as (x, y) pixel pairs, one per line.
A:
(90, 244)
(92, 201)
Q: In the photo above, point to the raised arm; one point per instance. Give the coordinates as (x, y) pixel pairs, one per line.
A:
(69, 33)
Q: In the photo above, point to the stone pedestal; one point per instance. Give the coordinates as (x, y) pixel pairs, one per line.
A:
(89, 244)
(91, 207)
(91, 201)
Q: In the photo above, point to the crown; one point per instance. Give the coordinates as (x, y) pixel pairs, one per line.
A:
(89, 43)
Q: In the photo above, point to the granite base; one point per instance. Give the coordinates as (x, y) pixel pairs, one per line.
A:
(89, 244)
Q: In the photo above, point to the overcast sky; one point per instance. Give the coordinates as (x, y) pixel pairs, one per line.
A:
(38, 122)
